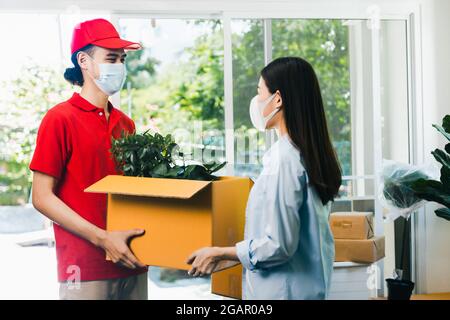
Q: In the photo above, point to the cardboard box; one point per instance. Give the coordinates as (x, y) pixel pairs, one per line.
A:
(179, 217)
(228, 282)
(352, 225)
(362, 251)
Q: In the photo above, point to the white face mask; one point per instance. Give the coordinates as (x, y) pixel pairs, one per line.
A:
(257, 112)
(111, 77)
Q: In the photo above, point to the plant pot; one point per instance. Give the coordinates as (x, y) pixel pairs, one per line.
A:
(399, 289)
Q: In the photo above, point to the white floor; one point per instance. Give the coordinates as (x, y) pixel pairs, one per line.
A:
(30, 273)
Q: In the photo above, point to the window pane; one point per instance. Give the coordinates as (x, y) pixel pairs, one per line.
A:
(31, 82)
(324, 44)
(248, 60)
(394, 90)
(175, 85)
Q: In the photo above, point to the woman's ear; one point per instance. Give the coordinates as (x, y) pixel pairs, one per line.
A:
(278, 100)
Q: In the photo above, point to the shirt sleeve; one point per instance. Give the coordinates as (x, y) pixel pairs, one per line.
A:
(52, 146)
(133, 127)
(283, 199)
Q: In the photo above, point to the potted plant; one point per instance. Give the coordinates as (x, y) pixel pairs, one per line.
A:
(398, 196)
(157, 156)
(404, 189)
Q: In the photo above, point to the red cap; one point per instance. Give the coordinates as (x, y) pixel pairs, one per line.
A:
(99, 32)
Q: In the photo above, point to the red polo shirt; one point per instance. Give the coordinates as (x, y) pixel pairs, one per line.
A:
(73, 144)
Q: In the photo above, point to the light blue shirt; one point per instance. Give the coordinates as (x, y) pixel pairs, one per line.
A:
(288, 251)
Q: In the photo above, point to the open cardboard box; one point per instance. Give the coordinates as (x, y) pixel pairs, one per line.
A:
(179, 216)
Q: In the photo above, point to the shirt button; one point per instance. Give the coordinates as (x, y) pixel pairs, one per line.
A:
(100, 113)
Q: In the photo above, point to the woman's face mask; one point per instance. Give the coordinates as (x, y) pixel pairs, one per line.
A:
(111, 77)
(257, 117)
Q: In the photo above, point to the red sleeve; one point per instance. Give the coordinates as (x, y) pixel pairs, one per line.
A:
(133, 127)
(52, 146)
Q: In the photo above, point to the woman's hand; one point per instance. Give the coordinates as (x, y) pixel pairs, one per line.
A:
(115, 243)
(204, 261)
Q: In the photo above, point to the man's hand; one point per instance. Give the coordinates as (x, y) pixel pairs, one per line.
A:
(115, 243)
(204, 261)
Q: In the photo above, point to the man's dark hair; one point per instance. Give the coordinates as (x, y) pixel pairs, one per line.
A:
(74, 75)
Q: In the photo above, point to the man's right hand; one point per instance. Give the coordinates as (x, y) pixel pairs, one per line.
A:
(115, 243)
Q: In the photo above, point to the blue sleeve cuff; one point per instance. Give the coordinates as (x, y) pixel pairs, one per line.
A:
(243, 253)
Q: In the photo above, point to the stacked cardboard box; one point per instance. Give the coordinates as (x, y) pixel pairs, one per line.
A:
(354, 237)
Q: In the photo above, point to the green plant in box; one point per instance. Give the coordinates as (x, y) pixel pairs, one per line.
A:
(151, 155)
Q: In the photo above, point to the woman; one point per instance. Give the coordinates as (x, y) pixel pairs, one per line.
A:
(288, 251)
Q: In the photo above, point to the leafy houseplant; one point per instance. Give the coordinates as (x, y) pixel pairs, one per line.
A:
(398, 187)
(398, 196)
(434, 190)
(147, 155)
(406, 188)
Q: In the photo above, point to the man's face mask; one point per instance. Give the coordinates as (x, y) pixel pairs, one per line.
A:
(257, 112)
(111, 76)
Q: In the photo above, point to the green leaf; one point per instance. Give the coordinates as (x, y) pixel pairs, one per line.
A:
(445, 177)
(213, 167)
(174, 172)
(442, 130)
(196, 172)
(446, 123)
(160, 170)
(443, 213)
(133, 158)
(168, 139)
(189, 170)
(442, 157)
(128, 169)
(218, 167)
(143, 153)
(432, 190)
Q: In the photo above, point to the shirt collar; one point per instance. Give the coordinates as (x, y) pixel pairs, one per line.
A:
(78, 101)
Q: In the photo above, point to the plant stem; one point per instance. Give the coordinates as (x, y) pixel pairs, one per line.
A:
(403, 245)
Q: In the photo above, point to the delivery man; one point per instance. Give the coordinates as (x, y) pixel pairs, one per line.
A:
(72, 152)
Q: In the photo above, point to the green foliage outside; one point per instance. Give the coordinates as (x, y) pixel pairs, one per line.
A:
(22, 106)
(189, 90)
(172, 101)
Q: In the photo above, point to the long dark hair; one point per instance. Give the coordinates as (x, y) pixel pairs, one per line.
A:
(74, 75)
(305, 120)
